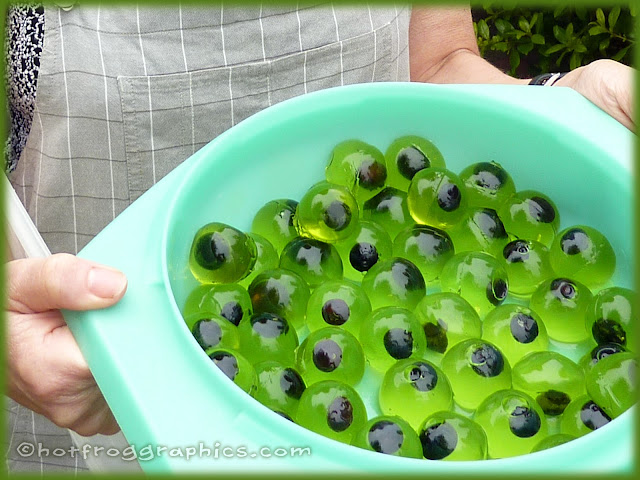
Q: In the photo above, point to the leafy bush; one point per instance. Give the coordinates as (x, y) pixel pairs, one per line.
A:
(526, 41)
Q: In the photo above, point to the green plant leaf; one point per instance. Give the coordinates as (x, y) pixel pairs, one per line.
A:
(580, 48)
(501, 46)
(556, 48)
(600, 17)
(597, 30)
(502, 25)
(569, 30)
(613, 16)
(524, 25)
(604, 44)
(575, 61)
(620, 55)
(514, 60)
(559, 33)
(525, 48)
(534, 19)
(537, 39)
(483, 29)
(558, 11)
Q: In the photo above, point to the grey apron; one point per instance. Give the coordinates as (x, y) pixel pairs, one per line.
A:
(126, 94)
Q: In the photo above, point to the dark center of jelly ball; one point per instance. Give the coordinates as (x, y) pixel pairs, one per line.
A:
(385, 437)
(363, 256)
(524, 328)
(489, 175)
(575, 241)
(541, 210)
(269, 295)
(563, 289)
(398, 343)
(337, 215)
(372, 175)
(423, 377)
(308, 252)
(449, 196)
(212, 251)
(497, 291)
(287, 213)
(516, 251)
(436, 336)
(335, 311)
(284, 415)
(407, 275)
(225, 362)
(340, 414)
(438, 441)
(327, 355)
(604, 350)
(291, 383)
(608, 331)
(553, 402)
(410, 161)
(489, 223)
(487, 361)
(232, 311)
(592, 416)
(524, 422)
(269, 325)
(207, 333)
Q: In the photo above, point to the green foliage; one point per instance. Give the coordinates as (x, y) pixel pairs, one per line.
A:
(530, 41)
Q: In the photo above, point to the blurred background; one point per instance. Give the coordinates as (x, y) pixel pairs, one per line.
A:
(527, 41)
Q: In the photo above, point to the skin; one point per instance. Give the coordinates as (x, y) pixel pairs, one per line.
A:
(46, 370)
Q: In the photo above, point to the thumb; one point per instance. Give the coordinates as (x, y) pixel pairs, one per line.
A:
(62, 281)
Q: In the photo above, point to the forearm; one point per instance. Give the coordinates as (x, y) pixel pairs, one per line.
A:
(443, 49)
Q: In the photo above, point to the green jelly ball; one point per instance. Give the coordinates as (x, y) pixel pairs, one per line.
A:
(333, 409)
(428, 248)
(338, 304)
(369, 244)
(229, 300)
(274, 221)
(327, 212)
(562, 305)
(390, 334)
(611, 317)
(199, 301)
(315, 261)
(597, 353)
(552, 441)
(527, 265)
(406, 156)
(390, 210)
(436, 197)
(583, 254)
(266, 259)
(487, 184)
(453, 437)
(211, 330)
(551, 379)
(267, 336)
(413, 389)
(358, 166)
(394, 282)
(221, 254)
(390, 435)
(612, 383)
(513, 422)
(235, 366)
(582, 416)
(516, 330)
(475, 368)
(282, 292)
(279, 386)
(331, 353)
(447, 319)
(480, 230)
(531, 215)
(478, 278)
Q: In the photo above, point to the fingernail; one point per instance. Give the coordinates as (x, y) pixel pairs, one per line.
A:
(105, 283)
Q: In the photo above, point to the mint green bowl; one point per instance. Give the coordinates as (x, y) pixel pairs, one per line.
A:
(163, 389)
